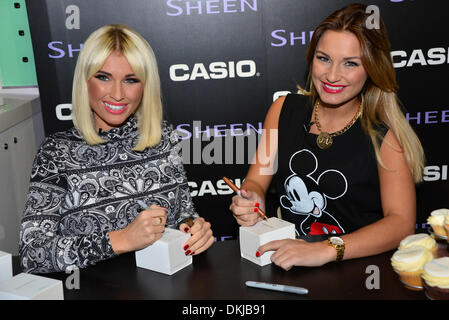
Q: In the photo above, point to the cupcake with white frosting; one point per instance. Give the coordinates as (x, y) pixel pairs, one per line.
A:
(435, 277)
(437, 221)
(422, 240)
(446, 225)
(408, 263)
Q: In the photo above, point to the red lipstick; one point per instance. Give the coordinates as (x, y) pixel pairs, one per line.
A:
(329, 88)
(115, 108)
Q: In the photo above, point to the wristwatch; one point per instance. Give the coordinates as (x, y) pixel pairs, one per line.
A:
(339, 245)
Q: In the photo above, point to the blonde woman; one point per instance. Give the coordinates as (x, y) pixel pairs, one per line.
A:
(348, 160)
(87, 182)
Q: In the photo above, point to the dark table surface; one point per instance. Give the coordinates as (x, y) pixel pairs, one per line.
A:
(220, 274)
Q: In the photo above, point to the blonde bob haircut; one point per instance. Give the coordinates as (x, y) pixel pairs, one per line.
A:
(96, 49)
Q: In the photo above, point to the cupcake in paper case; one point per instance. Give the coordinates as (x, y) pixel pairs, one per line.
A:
(437, 220)
(420, 239)
(446, 225)
(435, 277)
(408, 264)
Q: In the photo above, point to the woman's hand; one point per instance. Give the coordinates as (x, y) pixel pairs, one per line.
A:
(244, 208)
(289, 253)
(146, 229)
(201, 238)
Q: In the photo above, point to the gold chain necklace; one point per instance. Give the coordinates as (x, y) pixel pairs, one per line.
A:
(324, 139)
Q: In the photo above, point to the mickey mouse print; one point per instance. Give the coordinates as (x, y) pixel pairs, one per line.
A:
(307, 192)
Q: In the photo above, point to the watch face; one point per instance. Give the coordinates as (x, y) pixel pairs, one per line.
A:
(336, 240)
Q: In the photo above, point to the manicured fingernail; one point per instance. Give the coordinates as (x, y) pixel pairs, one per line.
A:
(192, 253)
(257, 204)
(186, 229)
(258, 254)
(185, 247)
(187, 252)
(256, 210)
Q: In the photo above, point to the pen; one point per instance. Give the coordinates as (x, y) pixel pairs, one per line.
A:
(188, 221)
(237, 190)
(276, 287)
(142, 204)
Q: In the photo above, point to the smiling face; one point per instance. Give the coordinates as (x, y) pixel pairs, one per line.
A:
(114, 92)
(337, 71)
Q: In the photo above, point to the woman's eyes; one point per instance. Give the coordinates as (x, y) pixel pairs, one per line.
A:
(132, 80)
(103, 77)
(322, 58)
(351, 64)
(347, 63)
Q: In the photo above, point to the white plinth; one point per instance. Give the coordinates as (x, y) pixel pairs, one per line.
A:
(251, 238)
(5, 266)
(27, 286)
(166, 255)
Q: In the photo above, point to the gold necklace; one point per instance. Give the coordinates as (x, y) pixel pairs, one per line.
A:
(324, 139)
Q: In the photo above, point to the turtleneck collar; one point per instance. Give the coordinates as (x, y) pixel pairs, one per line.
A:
(128, 129)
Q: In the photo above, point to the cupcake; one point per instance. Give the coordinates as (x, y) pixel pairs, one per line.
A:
(437, 220)
(446, 224)
(408, 264)
(420, 239)
(435, 277)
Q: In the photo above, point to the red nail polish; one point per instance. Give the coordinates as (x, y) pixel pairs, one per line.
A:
(186, 229)
(257, 254)
(185, 247)
(187, 252)
(192, 253)
(257, 204)
(256, 210)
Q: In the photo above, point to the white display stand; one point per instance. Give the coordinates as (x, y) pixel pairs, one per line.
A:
(166, 255)
(5, 266)
(251, 238)
(27, 286)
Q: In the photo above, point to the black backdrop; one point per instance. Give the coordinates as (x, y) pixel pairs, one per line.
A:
(259, 47)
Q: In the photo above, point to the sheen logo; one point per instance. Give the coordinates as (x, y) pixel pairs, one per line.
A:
(435, 173)
(283, 38)
(59, 51)
(428, 117)
(215, 70)
(199, 7)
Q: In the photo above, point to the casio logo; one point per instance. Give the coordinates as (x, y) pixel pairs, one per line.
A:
(215, 70)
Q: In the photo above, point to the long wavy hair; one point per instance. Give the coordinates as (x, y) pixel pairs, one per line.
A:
(96, 49)
(380, 104)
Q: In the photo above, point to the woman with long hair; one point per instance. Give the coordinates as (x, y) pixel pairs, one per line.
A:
(347, 159)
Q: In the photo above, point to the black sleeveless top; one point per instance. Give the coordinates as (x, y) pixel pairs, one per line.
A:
(325, 192)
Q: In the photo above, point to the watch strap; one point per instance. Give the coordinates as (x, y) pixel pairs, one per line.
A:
(340, 248)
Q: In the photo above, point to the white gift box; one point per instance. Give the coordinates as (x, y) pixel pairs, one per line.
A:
(25, 286)
(5, 266)
(251, 238)
(166, 255)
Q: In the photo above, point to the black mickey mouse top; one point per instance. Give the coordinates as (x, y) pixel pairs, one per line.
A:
(325, 192)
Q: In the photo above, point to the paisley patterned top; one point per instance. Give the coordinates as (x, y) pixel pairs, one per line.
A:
(78, 193)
